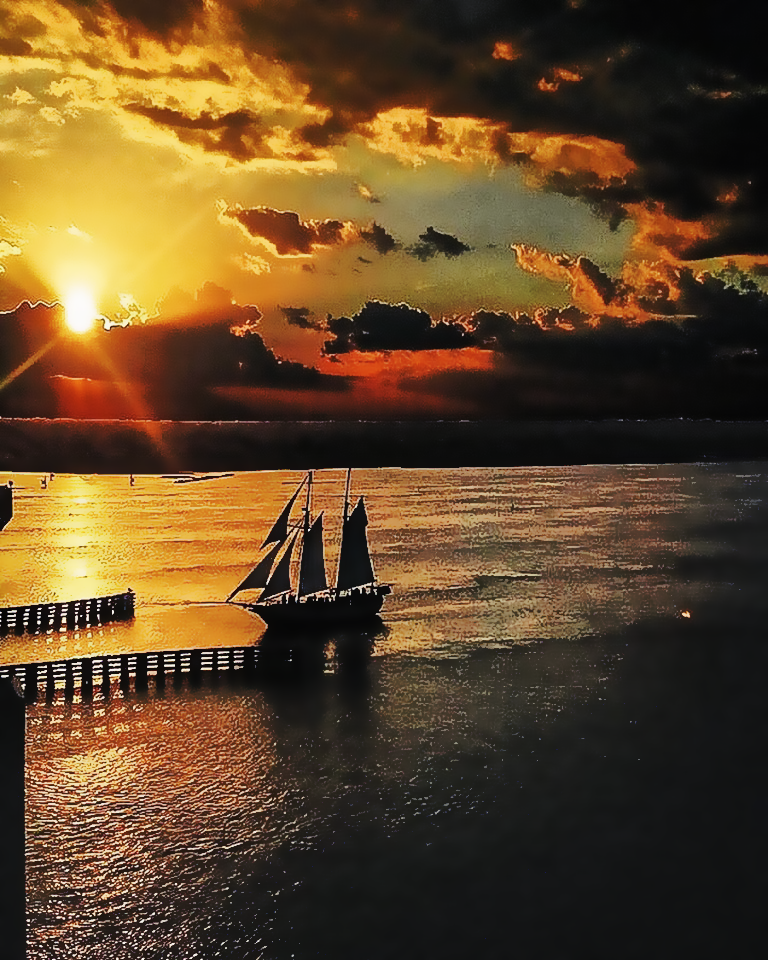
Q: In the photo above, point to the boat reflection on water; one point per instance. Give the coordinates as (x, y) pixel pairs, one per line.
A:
(301, 654)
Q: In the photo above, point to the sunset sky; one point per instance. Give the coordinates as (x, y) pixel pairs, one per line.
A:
(382, 208)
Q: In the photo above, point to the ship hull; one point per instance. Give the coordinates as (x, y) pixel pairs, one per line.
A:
(319, 612)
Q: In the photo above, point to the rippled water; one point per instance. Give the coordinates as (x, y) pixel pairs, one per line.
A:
(319, 810)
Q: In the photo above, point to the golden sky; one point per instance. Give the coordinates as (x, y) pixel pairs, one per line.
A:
(283, 166)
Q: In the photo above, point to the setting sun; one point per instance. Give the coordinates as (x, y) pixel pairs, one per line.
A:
(80, 310)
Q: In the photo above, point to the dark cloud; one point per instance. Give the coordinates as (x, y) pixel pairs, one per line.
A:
(286, 232)
(302, 318)
(385, 326)
(377, 237)
(653, 76)
(177, 359)
(158, 17)
(683, 91)
(238, 134)
(433, 242)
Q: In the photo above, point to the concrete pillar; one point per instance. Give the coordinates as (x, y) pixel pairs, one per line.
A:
(12, 877)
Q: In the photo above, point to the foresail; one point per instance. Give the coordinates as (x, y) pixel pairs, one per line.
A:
(355, 567)
(258, 577)
(280, 581)
(312, 577)
(279, 531)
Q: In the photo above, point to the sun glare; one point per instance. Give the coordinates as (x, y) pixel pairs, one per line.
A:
(80, 310)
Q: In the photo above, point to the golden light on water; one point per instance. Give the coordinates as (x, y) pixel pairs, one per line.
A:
(80, 311)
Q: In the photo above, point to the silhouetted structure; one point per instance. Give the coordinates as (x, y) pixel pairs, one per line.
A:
(6, 504)
(67, 615)
(12, 877)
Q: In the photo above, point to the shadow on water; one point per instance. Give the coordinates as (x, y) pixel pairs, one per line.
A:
(298, 656)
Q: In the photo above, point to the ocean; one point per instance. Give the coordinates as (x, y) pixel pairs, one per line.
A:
(551, 744)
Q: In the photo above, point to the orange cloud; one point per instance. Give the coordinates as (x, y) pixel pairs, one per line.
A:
(658, 234)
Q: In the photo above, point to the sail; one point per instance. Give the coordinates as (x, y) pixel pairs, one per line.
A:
(280, 581)
(312, 572)
(279, 531)
(355, 567)
(260, 573)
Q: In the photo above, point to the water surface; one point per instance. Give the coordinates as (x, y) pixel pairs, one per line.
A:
(554, 726)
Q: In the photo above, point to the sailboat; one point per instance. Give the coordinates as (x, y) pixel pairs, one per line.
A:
(306, 599)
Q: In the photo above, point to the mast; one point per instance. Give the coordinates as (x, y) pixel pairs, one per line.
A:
(346, 494)
(304, 532)
(355, 567)
(345, 516)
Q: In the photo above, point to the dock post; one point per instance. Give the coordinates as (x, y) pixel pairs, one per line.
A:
(177, 670)
(160, 671)
(12, 880)
(106, 680)
(141, 671)
(232, 659)
(195, 665)
(50, 682)
(56, 625)
(125, 676)
(30, 682)
(70, 614)
(3, 622)
(19, 626)
(86, 667)
(69, 679)
(249, 661)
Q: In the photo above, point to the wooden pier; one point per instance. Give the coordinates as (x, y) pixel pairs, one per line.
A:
(87, 673)
(69, 615)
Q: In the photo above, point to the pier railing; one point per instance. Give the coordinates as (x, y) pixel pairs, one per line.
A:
(67, 615)
(90, 672)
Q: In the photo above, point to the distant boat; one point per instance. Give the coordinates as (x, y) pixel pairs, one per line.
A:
(295, 590)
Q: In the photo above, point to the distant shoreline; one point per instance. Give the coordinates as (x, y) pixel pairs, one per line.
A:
(144, 446)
